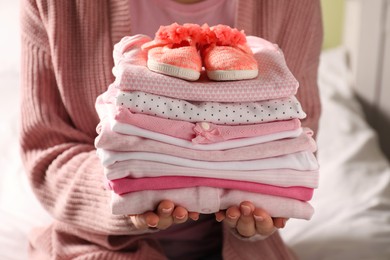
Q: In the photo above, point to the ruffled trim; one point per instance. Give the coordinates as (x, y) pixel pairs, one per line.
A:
(194, 34)
(222, 35)
(175, 33)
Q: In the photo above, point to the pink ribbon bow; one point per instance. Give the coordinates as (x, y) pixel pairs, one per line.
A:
(206, 134)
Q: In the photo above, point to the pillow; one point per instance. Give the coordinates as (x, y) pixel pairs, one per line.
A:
(352, 204)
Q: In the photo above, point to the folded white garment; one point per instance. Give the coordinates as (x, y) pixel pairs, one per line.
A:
(213, 112)
(208, 200)
(303, 161)
(278, 177)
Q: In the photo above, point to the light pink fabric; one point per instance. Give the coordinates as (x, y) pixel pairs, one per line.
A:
(128, 185)
(279, 177)
(274, 81)
(208, 200)
(302, 161)
(228, 144)
(190, 131)
(109, 140)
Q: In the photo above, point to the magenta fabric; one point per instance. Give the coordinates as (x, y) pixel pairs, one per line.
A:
(128, 185)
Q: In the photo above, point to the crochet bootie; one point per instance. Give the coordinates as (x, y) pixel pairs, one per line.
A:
(226, 55)
(174, 51)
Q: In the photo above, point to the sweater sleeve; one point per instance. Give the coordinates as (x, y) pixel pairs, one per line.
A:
(60, 159)
(301, 41)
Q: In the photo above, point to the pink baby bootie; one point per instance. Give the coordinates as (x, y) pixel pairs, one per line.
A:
(174, 51)
(226, 55)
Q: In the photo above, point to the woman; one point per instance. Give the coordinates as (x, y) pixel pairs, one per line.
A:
(67, 62)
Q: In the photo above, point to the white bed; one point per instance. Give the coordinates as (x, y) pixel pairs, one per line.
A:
(352, 219)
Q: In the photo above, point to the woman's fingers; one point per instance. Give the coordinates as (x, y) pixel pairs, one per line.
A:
(220, 216)
(246, 223)
(193, 215)
(248, 220)
(180, 215)
(164, 211)
(145, 221)
(263, 222)
(232, 215)
(165, 216)
(280, 222)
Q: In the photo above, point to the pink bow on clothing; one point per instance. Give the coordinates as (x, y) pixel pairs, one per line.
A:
(206, 133)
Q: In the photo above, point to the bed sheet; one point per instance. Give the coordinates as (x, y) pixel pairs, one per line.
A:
(352, 204)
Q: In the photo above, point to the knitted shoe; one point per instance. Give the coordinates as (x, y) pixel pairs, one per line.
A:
(225, 54)
(174, 51)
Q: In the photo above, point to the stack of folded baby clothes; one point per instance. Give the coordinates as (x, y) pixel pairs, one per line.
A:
(217, 124)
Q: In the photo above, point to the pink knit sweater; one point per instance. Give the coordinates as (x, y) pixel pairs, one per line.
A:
(67, 62)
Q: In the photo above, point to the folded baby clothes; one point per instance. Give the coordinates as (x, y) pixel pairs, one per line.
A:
(128, 129)
(205, 145)
(303, 161)
(209, 200)
(201, 132)
(277, 177)
(112, 141)
(128, 185)
(214, 112)
(274, 81)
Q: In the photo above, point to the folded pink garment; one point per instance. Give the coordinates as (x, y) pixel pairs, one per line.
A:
(128, 185)
(274, 81)
(223, 145)
(208, 200)
(200, 133)
(109, 140)
(279, 177)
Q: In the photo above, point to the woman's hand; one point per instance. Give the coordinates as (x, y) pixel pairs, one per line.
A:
(163, 217)
(249, 221)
